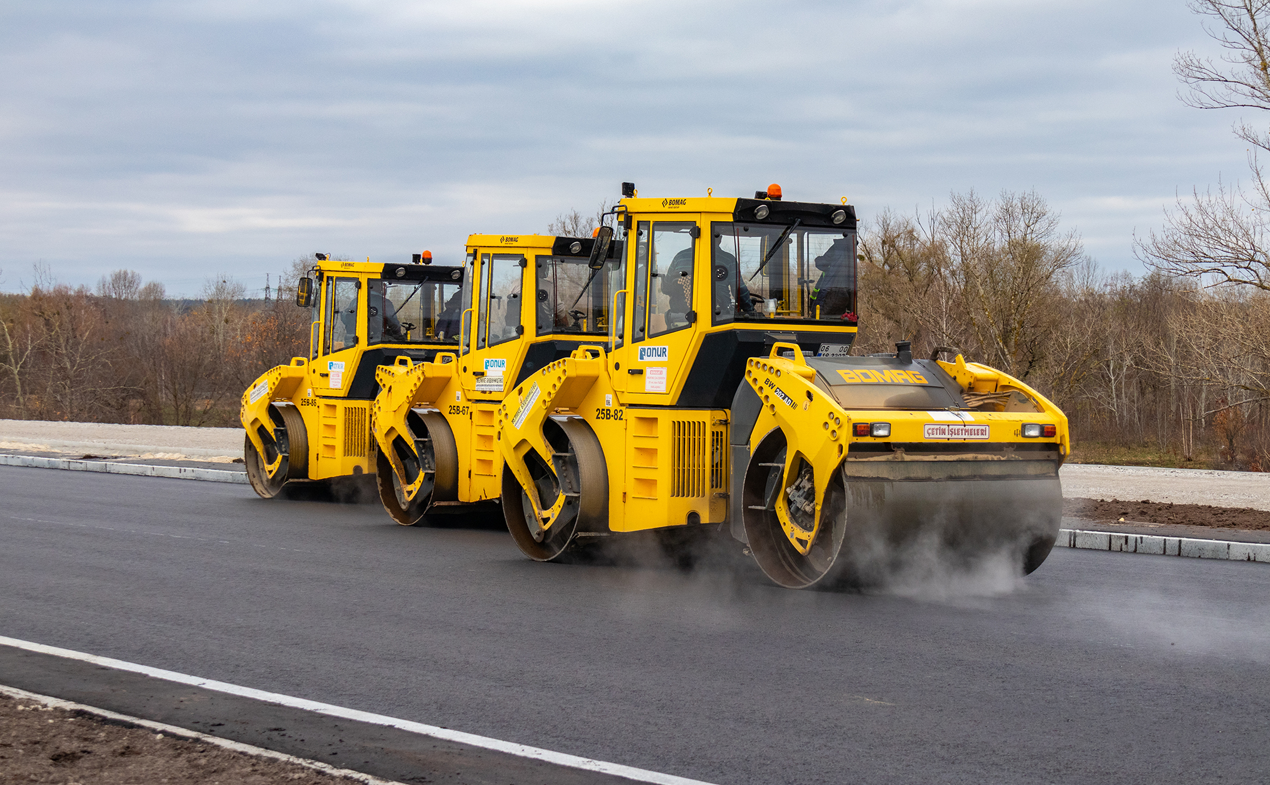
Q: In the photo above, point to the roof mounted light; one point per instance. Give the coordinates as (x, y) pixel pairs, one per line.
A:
(761, 211)
(575, 247)
(838, 216)
(774, 192)
(321, 257)
(628, 190)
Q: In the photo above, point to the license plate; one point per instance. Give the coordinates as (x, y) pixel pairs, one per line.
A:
(941, 430)
(834, 350)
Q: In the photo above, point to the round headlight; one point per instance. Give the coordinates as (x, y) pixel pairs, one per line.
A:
(761, 211)
(456, 275)
(839, 216)
(401, 271)
(575, 247)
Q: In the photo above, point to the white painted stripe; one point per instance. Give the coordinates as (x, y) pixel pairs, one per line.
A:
(172, 730)
(1164, 546)
(470, 739)
(135, 469)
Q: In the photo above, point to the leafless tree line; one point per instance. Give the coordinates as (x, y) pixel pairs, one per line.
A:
(123, 352)
(1168, 361)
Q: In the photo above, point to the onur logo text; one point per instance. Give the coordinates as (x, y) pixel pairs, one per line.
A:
(654, 354)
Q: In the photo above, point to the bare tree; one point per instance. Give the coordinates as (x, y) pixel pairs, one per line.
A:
(575, 224)
(1220, 237)
(120, 285)
(1242, 79)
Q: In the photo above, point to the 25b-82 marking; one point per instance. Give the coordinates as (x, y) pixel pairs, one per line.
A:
(603, 413)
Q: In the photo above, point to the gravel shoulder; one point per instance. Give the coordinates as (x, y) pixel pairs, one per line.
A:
(1249, 490)
(170, 442)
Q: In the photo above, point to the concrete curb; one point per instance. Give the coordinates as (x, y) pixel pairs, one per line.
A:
(1164, 546)
(135, 469)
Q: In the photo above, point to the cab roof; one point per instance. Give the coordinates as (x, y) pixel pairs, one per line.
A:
(780, 212)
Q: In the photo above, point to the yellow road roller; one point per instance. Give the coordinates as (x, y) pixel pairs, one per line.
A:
(531, 300)
(724, 395)
(310, 420)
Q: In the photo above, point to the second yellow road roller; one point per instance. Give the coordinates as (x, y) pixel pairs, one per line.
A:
(531, 300)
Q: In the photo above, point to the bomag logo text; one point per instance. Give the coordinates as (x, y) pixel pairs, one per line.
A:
(779, 393)
(866, 376)
(674, 202)
(509, 240)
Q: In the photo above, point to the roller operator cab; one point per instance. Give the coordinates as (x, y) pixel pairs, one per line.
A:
(531, 301)
(724, 395)
(310, 420)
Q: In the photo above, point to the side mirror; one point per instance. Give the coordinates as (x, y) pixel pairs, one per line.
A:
(304, 293)
(600, 250)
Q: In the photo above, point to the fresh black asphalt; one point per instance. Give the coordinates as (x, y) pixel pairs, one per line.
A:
(1101, 667)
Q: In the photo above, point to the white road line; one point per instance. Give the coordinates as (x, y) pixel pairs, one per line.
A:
(470, 739)
(172, 730)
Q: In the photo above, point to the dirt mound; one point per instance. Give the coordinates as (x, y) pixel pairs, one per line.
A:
(43, 744)
(1147, 511)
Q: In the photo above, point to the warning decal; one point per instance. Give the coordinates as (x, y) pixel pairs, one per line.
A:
(526, 404)
(259, 390)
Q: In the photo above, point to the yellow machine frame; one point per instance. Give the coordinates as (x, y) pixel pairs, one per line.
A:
(310, 419)
(600, 442)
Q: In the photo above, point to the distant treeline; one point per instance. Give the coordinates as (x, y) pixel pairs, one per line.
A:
(124, 353)
(1156, 362)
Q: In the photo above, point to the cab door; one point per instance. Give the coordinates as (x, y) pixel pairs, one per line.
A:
(500, 319)
(342, 336)
(661, 314)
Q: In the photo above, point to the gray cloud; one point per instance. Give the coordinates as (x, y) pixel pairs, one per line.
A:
(181, 138)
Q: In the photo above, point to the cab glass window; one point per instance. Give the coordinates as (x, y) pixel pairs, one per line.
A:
(414, 311)
(782, 272)
(341, 314)
(641, 282)
(569, 299)
(468, 304)
(500, 299)
(670, 277)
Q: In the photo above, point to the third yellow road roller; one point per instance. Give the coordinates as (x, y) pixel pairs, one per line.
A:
(724, 395)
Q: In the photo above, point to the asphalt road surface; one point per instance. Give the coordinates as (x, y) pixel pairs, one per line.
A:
(1101, 667)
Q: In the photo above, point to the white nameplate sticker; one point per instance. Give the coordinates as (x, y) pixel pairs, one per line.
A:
(489, 384)
(259, 390)
(942, 431)
(526, 403)
(336, 370)
(654, 354)
(655, 380)
(946, 416)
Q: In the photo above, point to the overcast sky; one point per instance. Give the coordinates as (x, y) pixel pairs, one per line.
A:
(186, 139)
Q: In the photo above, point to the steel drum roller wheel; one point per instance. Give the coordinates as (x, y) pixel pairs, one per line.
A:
(434, 453)
(290, 441)
(773, 550)
(578, 472)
